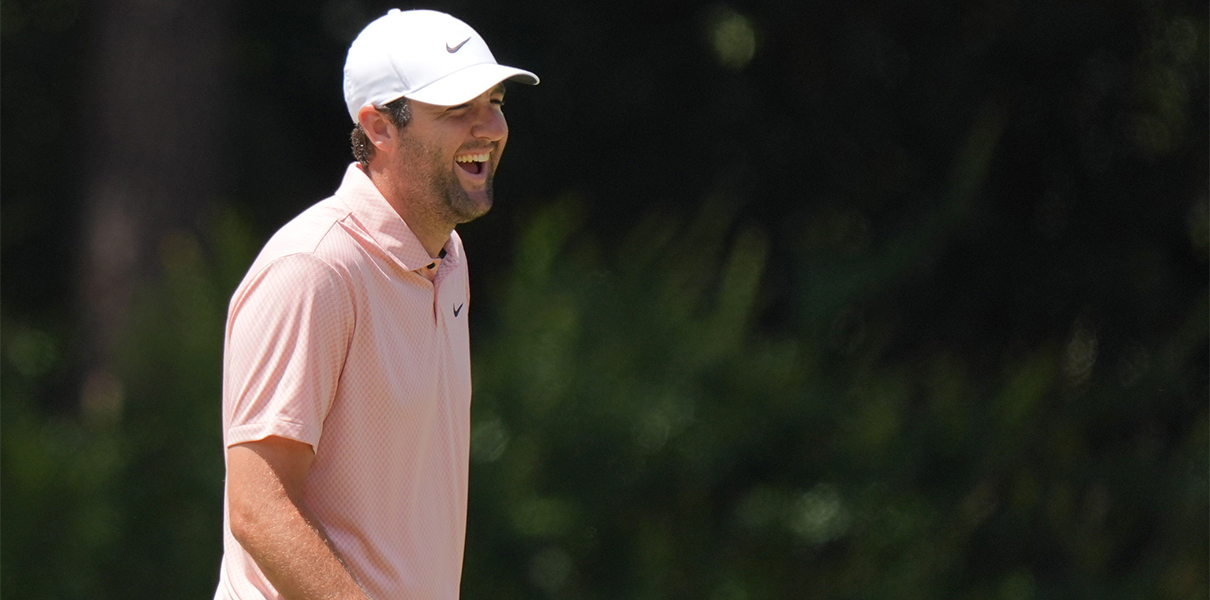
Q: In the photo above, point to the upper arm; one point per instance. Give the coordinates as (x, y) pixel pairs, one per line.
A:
(288, 333)
(263, 473)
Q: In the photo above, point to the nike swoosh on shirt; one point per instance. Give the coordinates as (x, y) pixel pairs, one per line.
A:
(453, 49)
(459, 309)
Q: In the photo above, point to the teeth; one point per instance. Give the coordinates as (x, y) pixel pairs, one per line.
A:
(473, 157)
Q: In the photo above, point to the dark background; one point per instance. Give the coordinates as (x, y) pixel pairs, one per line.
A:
(779, 300)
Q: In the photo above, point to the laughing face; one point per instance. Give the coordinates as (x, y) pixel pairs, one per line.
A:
(451, 153)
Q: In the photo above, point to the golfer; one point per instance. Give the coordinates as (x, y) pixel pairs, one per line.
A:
(346, 369)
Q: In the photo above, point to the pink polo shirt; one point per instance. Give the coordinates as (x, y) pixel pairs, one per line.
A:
(337, 338)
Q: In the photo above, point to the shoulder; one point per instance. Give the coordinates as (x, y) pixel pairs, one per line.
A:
(308, 253)
(307, 233)
(325, 231)
(292, 282)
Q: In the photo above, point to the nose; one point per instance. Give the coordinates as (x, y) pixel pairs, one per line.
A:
(490, 124)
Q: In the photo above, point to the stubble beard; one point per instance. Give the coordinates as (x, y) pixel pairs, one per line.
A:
(459, 204)
(443, 195)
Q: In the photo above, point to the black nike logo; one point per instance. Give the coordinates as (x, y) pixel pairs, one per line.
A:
(459, 309)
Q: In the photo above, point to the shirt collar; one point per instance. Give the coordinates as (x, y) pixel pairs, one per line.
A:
(385, 225)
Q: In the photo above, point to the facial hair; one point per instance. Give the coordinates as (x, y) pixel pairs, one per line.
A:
(442, 195)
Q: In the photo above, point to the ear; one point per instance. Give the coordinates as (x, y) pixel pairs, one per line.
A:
(378, 128)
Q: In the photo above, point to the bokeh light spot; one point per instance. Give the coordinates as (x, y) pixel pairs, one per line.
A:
(820, 516)
(733, 38)
(489, 440)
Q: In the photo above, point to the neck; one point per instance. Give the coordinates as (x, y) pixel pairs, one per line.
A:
(428, 228)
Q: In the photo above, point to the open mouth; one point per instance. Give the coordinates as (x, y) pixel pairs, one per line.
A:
(475, 164)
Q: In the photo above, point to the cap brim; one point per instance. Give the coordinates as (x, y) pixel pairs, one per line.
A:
(465, 85)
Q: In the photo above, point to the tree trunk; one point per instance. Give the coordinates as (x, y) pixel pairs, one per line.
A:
(154, 110)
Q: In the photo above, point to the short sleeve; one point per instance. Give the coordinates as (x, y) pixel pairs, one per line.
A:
(288, 333)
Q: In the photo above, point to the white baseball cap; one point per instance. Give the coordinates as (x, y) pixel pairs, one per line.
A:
(424, 55)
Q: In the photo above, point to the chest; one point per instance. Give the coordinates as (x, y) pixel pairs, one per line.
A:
(410, 346)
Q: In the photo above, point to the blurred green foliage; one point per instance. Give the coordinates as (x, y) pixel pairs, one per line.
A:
(122, 498)
(635, 437)
(917, 307)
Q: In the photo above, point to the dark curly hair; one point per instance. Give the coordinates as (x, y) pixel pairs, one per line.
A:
(398, 112)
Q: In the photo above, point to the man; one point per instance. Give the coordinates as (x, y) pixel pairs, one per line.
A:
(346, 381)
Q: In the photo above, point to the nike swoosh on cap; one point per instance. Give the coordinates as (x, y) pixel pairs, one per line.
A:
(454, 49)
